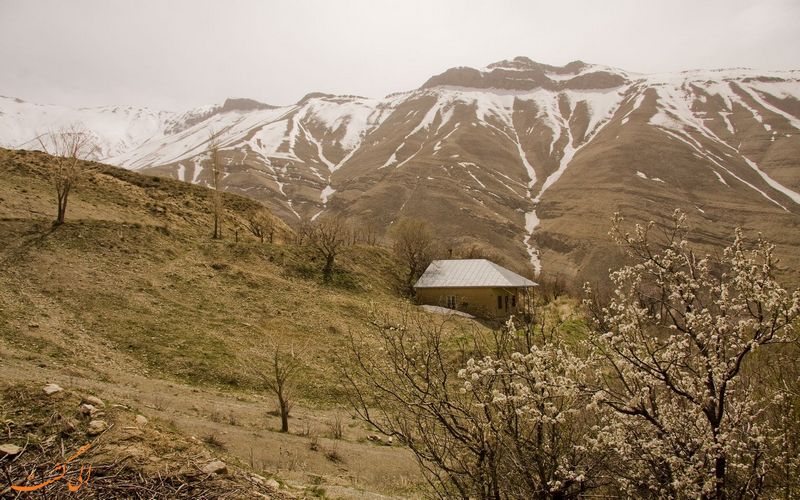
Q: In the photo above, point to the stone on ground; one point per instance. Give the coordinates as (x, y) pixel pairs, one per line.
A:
(96, 427)
(10, 449)
(215, 467)
(94, 400)
(52, 389)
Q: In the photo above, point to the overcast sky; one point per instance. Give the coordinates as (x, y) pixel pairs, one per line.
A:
(180, 54)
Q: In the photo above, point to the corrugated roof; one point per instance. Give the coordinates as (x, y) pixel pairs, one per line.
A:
(466, 273)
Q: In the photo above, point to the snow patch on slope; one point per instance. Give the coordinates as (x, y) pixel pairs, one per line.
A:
(676, 114)
(494, 109)
(424, 124)
(117, 129)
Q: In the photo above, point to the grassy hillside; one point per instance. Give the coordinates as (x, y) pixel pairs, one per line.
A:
(135, 272)
(132, 296)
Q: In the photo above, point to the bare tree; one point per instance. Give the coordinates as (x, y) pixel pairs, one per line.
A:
(329, 236)
(277, 374)
(551, 285)
(303, 230)
(414, 246)
(365, 233)
(479, 251)
(260, 224)
(71, 147)
(216, 177)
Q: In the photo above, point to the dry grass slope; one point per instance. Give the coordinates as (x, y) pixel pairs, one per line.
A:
(132, 297)
(135, 272)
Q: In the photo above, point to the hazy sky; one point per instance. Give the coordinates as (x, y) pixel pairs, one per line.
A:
(180, 54)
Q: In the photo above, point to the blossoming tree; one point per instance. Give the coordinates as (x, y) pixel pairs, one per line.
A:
(675, 340)
(494, 417)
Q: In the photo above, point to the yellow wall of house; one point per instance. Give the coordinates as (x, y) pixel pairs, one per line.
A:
(477, 301)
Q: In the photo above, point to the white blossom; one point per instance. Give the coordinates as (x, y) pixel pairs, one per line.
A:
(674, 339)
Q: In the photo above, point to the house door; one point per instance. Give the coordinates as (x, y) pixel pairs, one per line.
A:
(506, 303)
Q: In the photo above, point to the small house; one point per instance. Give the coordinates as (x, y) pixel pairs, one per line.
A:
(476, 286)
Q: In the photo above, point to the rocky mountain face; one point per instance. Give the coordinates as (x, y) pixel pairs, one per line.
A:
(529, 159)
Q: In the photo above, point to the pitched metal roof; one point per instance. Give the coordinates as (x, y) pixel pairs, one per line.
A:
(469, 273)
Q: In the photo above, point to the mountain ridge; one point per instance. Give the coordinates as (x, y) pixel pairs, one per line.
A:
(518, 155)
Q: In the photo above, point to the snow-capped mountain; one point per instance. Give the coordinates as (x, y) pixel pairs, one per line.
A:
(524, 157)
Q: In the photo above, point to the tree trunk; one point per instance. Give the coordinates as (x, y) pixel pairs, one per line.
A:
(284, 409)
(62, 208)
(327, 271)
(408, 283)
(719, 474)
(216, 235)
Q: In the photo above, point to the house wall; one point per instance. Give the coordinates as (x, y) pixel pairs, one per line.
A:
(476, 301)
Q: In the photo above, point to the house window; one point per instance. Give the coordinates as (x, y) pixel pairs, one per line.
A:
(499, 301)
(451, 302)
